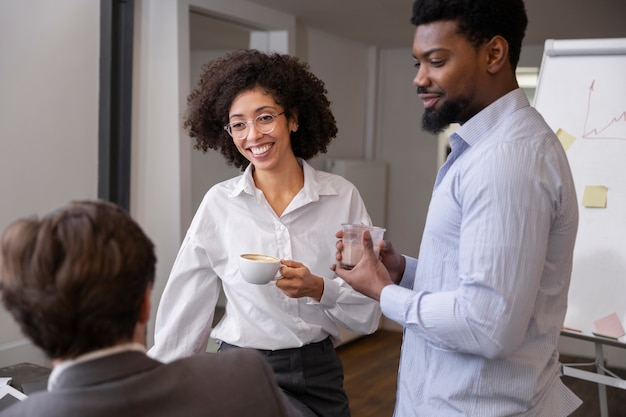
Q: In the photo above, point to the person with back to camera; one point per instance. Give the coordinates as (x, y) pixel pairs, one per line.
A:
(78, 283)
(267, 114)
(483, 306)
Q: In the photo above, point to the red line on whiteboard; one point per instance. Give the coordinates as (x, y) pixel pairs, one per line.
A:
(596, 132)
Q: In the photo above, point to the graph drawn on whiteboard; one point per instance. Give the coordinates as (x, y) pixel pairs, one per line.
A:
(582, 95)
(603, 126)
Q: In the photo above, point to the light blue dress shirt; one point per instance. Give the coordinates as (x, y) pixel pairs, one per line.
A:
(483, 307)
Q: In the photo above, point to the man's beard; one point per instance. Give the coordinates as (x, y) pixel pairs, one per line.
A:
(437, 120)
(451, 111)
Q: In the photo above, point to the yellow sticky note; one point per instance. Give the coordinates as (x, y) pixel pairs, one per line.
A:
(595, 196)
(565, 138)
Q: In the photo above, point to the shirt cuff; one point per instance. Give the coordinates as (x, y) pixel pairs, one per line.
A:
(330, 294)
(394, 302)
(410, 268)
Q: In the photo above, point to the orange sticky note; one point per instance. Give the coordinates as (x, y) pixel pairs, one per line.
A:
(609, 326)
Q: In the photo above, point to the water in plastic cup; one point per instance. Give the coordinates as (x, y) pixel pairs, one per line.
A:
(352, 246)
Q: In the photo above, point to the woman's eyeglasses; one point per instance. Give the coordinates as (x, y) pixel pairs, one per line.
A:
(264, 123)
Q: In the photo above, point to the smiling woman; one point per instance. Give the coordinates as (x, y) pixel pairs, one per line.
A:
(267, 114)
(264, 139)
(289, 87)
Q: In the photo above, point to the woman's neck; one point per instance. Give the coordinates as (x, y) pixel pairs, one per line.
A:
(280, 185)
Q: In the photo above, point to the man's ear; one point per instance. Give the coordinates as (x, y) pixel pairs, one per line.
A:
(144, 312)
(497, 54)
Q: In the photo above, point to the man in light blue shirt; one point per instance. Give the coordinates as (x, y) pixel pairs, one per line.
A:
(483, 307)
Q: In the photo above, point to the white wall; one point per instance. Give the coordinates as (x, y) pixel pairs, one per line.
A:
(410, 152)
(343, 66)
(49, 67)
(160, 162)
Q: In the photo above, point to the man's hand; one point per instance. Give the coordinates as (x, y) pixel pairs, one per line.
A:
(369, 276)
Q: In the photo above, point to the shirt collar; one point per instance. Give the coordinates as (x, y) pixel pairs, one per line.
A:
(312, 189)
(96, 354)
(488, 118)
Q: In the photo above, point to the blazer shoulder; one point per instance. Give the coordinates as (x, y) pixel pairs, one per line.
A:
(245, 373)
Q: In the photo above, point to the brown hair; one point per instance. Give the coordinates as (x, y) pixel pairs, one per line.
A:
(289, 82)
(75, 280)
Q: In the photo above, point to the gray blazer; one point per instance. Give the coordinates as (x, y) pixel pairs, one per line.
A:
(129, 384)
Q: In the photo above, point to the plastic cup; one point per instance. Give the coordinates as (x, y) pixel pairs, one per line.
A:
(352, 246)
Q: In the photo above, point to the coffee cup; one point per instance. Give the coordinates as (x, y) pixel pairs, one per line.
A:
(352, 242)
(258, 269)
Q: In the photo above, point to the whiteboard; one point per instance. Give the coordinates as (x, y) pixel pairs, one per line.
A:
(582, 91)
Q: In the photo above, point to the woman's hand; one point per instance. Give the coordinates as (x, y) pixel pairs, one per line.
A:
(297, 281)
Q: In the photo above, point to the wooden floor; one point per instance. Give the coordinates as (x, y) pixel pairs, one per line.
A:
(371, 366)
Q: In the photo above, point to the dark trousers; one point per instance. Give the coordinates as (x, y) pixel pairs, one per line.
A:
(311, 377)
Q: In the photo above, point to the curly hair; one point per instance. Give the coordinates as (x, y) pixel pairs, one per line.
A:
(479, 20)
(75, 280)
(286, 78)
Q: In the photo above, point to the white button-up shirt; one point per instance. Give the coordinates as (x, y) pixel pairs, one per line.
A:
(234, 218)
